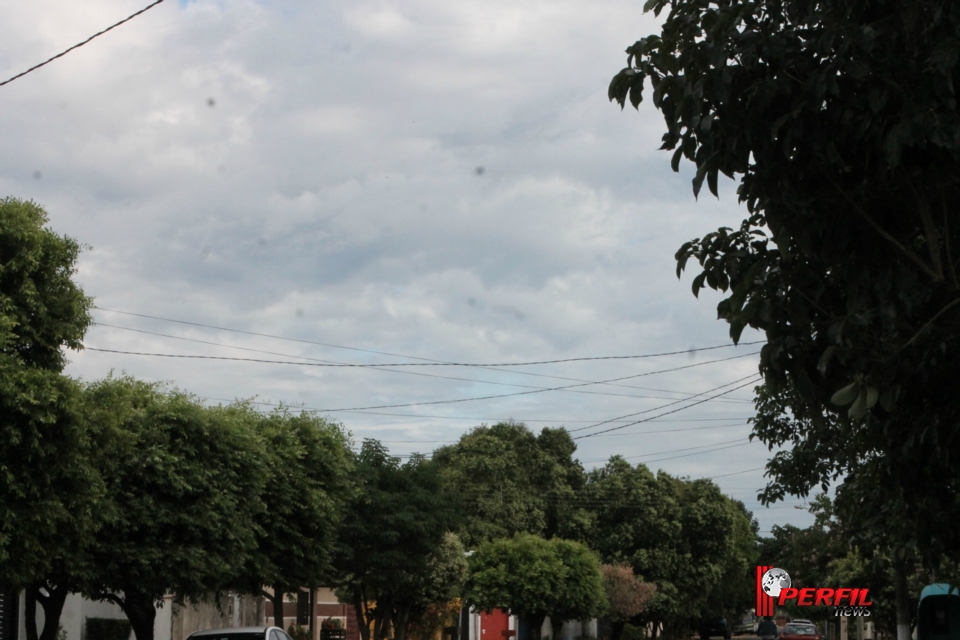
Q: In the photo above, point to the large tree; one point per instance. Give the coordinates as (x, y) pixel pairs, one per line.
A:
(394, 524)
(308, 483)
(693, 543)
(510, 480)
(50, 491)
(840, 119)
(537, 578)
(184, 485)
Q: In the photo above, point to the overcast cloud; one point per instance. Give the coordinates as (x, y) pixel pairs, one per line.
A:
(437, 179)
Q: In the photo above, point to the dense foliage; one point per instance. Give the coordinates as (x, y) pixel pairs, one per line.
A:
(537, 578)
(695, 544)
(840, 119)
(627, 596)
(509, 479)
(307, 486)
(396, 519)
(46, 487)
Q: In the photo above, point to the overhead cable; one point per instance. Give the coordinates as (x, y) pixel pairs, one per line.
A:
(513, 372)
(434, 402)
(80, 44)
(429, 361)
(590, 435)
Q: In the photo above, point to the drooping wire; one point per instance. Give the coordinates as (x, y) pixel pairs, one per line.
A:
(590, 435)
(427, 361)
(80, 44)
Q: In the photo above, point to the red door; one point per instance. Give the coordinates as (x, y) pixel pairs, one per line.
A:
(493, 624)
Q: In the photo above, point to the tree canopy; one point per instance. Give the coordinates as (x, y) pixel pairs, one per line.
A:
(840, 120)
(537, 578)
(307, 486)
(48, 488)
(395, 521)
(685, 537)
(511, 480)
(184, 485)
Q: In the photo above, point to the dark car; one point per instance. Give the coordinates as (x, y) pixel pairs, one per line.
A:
(714, 627)
(241, 633)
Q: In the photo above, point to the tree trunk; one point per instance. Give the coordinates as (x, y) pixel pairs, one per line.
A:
(277, 601)
(362, 623)
(140, 610)
(400, 622)
(616, 629)
(536, 625)
(30, 612)
(381, 623)
(902, 597)
(52, 604)
(52, 609)
(557, 627)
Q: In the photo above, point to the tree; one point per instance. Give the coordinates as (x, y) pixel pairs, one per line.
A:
(537, 578)
(841, 121)
(50, 492)
(307, 486)
(183, 486)
(395, 522)
(626, 595)
(693, 543)
(429, 596)
(510, 480)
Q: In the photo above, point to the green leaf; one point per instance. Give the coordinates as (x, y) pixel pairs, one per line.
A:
(846, 395)
(872, 395)
(859, 407)
(825, 360)
(675, 160)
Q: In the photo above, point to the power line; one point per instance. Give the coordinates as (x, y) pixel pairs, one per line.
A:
(663, 406)
(702, 446)
(428, 361)
(100, 33)
(434, 402)
(514, 372)
(630, 433)
(735, 473)
(590, 435)
(473, 419)
(335, 364)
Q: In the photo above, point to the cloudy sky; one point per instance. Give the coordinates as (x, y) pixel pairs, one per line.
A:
(384, 182)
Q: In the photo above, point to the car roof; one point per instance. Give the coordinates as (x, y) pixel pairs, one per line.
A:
(215, 632)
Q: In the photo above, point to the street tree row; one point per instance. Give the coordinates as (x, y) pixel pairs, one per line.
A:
(127, 491)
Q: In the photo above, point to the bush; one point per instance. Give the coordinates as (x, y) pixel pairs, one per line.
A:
(631, 632)
(298, 633)
(108, 629)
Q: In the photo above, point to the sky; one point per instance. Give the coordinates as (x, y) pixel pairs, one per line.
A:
(385, 183)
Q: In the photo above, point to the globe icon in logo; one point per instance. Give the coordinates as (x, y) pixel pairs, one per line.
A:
(773, 581)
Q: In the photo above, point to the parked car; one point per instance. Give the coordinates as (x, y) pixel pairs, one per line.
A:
(711, 627)
(746, 624)
(800, 631)
(241, 633)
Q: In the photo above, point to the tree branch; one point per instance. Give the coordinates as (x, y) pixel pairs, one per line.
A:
(929, 231)
(906, 252)
(928, 323)
(946, 241)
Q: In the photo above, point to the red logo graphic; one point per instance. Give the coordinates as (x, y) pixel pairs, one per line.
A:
(774, 584)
